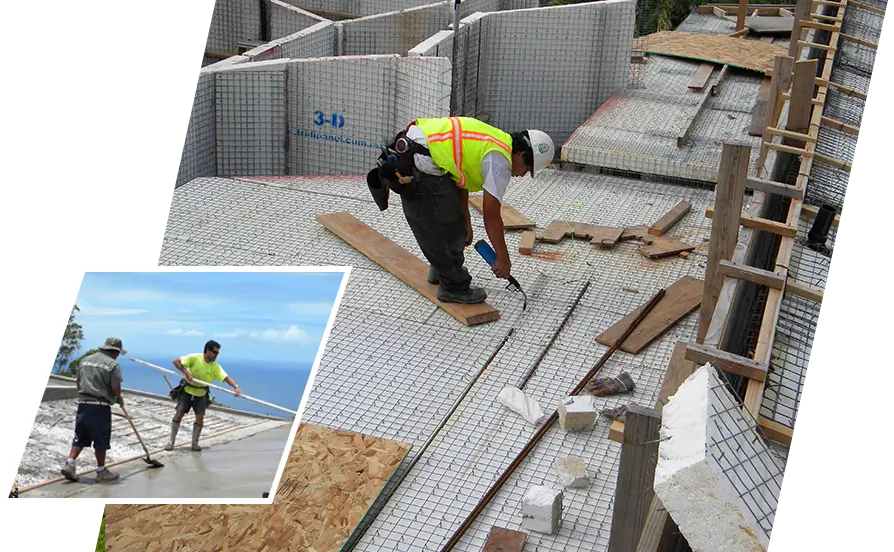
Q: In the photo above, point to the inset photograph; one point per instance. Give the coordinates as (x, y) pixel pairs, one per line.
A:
(178, 384)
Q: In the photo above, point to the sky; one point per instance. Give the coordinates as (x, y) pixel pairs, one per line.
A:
(277, 317)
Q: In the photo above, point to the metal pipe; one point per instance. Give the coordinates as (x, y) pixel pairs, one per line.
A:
(454, 540)
(219, 388)
(524, 381)
(358, 534)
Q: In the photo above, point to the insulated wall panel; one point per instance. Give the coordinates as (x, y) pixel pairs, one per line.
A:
(250, 122)
(198, 149)
(233, 21)
(358, 7)
(552, 86)
(341, 110)
(315, 41)
(423, 89)
(395, 32)
(286, 20)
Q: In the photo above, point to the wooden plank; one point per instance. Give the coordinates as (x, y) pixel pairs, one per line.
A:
(656, 519)
(789, 134)
(805, 291)
(672, 217)
(762, 9)
(636, 474)
(802, 13)
(403, 264)
(782, 75)
(680, 299)
(504, 540)
(663, 246)
(838, 125)
(859, 41)
(616, 431)
(800, 106)
(728, 197)
(751, 274)
(740, 16)
(512, 219)
(866, 7)
(773, 187)
(759, 111)
(817, 45)
(678, 369)
(757, 223)
(715, 88)
(734, 364)
(635, 233)
(776, 431)
(683, 138)
(820, 26)
(558, 230)
(767, 39)
(337, 472)
(701, 76)
(750, 55)
(526, 247)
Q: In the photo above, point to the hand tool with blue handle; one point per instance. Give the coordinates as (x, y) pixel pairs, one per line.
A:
(490, 256)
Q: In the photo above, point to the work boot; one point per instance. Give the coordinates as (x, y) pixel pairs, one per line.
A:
(175, 427)
(433, 276)
(68, 470)
(196, 431)
(106, 476)
(468, 296)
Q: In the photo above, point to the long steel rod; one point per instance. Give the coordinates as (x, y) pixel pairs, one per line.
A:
(485, 500)
(454, 64)
(524, 380)
(358, 534)
(219, 388)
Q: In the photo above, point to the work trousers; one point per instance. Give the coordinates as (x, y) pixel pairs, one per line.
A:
(435, 216)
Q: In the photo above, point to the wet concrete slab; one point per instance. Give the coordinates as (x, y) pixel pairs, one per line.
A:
(244, 468)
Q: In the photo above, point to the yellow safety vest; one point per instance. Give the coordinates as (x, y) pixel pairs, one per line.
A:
(458, 144)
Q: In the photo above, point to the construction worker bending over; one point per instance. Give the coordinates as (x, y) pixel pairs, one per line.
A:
(203, 367)
(433, 165)
(99, 385)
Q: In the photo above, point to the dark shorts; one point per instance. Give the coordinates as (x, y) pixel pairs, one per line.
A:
(198, 404)
(93, 426)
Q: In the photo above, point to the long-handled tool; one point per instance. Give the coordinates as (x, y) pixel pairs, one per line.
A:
(219, 388)
(490, 256)
(152, 463)
(485, 500)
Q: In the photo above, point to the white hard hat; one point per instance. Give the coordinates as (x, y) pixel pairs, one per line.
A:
(543, 148)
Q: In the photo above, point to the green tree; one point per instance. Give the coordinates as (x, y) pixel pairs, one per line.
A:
(71, 343)
(72, 370)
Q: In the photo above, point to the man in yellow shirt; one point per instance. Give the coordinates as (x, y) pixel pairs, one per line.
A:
(203, 367)
(433, 165)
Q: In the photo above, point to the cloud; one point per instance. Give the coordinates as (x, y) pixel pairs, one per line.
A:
(234, 333)
(311, 308)
(293, 334)
(187, 333)
(109, 311)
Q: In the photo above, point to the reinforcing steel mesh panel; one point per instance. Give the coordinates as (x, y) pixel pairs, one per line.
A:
(395, 363)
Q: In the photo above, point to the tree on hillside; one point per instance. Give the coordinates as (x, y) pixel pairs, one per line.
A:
(71, 343)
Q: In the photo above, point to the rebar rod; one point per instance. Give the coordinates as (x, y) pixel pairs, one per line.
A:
(358, 534)
(524, 380)
(485, 500)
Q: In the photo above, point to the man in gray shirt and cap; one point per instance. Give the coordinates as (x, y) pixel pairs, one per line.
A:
(99, 385)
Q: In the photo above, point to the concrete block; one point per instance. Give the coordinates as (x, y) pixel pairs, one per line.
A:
(578, 413)
(571, 471)
(542, 509)
(714, 476)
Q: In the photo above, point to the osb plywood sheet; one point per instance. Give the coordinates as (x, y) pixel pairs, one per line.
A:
(329, 482)
(753, 55)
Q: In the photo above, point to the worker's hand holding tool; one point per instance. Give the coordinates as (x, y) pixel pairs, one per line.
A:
(120, 400)
(502, 267)
(189, 377)
(237, 391)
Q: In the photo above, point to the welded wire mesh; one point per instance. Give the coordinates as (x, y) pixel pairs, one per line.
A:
(742, 455)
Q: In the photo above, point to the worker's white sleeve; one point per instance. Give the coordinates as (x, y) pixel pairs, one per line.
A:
(496, 171)
(423, 162)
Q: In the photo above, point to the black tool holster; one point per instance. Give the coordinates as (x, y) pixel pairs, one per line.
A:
(395, 170)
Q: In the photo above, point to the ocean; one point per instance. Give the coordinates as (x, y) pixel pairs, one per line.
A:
(279, 383)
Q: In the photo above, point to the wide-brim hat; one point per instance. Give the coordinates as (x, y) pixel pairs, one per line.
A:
(113, 344)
